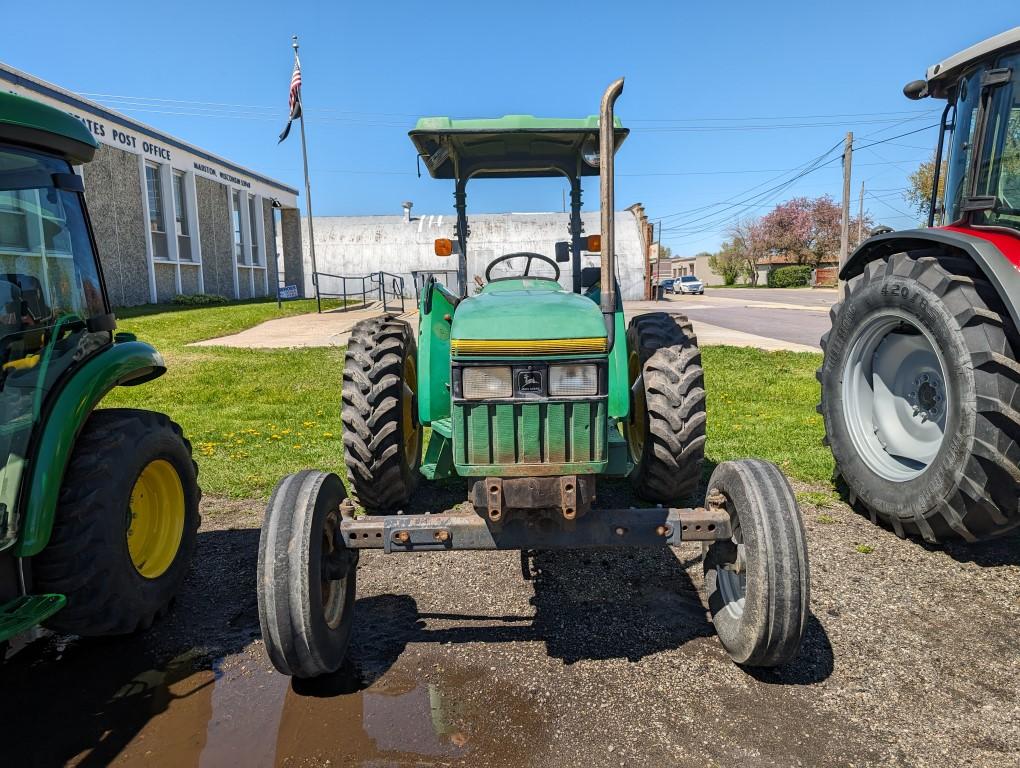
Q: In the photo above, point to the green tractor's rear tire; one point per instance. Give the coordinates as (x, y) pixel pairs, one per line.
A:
(666, 429)
(382, 435)
(126, 524)
(921, 397)
(307, 577)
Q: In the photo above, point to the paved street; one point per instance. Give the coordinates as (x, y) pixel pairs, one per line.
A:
(790, 319)
(768, 318)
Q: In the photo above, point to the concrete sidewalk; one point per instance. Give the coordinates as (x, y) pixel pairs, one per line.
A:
(333, 329)
(328, 329)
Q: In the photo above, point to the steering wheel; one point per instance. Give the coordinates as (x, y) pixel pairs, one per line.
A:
(527, 267)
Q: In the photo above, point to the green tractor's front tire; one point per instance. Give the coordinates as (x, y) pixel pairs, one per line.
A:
(666, 429)
(307, 576)
(125, 527)
(382, 435)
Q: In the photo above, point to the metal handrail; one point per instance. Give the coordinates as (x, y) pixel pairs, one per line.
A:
(374, 283)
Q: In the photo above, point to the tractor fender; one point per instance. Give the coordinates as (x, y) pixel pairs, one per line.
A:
(125, 363)
(993, 263)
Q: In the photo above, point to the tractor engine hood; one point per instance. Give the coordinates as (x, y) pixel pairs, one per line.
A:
(528, 309)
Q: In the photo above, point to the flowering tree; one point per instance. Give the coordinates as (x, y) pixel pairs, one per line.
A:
(807, 231)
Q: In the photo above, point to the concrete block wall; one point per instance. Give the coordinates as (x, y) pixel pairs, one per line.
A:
(293, 254)
(216, 236)
(113, 192)
(272, 249)
(359, 245)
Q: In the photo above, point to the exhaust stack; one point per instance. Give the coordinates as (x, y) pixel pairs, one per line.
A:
(607, 148)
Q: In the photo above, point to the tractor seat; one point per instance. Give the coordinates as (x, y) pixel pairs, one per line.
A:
(590, 276)
(33, 299)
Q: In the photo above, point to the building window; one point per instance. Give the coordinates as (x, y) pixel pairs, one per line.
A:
(253, 224)
(181, 216)
(157, 222)
(235, 197)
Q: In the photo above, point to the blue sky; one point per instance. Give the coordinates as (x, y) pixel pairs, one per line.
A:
(706, 84)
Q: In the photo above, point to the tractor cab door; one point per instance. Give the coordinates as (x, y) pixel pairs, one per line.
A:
(50, 293)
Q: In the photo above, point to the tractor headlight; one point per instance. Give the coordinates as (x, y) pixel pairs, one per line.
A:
(573, 380)
(484, 382)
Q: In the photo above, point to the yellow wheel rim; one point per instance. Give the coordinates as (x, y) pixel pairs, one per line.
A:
(409, 428)
(635, 428)
(156, 522)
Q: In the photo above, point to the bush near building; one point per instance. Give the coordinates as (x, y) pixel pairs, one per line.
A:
(790, 277)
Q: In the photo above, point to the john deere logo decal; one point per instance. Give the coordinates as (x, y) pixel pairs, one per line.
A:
(530, 382)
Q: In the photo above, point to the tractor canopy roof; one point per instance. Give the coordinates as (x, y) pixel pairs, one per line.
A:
(513, 146)
(942, 76)
(24, 121)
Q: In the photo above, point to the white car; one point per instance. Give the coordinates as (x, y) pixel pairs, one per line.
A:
(688, 284)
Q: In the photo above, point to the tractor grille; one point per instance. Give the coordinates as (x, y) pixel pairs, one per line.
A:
(549, 434)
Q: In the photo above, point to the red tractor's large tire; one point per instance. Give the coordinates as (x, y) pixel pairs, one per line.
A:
(382, 435)
(666, 431)
(126, 524)
(922, 345)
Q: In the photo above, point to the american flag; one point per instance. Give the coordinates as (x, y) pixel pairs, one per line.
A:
(294, 99)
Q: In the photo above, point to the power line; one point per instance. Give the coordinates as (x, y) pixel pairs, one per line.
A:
(898, 136)
(755, 200)
(890, 207)
(748, 190)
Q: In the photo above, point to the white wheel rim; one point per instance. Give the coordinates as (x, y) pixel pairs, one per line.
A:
(895, 396)
(733, 588)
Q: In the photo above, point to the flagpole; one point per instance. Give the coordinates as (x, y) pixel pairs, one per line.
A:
(308, 186)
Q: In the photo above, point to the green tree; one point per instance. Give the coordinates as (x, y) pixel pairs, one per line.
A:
(727, 263)
(918, 193)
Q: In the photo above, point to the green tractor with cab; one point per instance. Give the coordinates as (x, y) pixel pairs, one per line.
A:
(533, 390)
(98, 508)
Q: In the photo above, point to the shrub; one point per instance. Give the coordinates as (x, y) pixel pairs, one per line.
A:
(790, 277)
(198, 300)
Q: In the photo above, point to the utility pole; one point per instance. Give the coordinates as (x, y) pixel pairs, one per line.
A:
(844, 230)
(860, 218)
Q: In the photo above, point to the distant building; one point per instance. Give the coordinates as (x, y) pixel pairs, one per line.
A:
(171, 218)
(352, 246)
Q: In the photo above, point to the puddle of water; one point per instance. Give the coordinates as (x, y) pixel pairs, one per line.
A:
(191, 712)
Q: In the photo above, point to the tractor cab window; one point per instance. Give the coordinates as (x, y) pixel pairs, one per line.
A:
(47, 265)
(961, 149)
(997, 171)
(49, 288)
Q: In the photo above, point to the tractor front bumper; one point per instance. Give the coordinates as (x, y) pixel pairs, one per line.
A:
(635, 527)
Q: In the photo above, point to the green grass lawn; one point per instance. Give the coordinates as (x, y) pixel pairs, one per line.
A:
(256, 415)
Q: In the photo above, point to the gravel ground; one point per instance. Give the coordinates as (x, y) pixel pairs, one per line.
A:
(603, 659)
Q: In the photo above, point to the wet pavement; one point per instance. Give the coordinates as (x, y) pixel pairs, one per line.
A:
(601, 659)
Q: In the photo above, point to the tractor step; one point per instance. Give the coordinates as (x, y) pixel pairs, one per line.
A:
(23, 613)
(637, 527)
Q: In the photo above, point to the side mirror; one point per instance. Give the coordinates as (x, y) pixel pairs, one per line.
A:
(562, 252)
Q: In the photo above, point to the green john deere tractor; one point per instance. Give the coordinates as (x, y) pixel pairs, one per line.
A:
(532, 391)
(98, 508)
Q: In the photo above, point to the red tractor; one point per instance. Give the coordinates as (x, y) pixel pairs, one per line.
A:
(921, 379)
